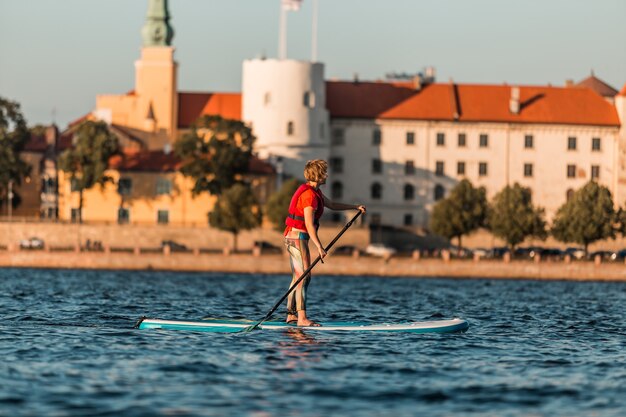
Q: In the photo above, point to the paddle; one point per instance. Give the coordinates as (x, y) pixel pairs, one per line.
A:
(295, 284)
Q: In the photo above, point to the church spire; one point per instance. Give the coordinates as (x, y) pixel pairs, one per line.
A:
(157, 30)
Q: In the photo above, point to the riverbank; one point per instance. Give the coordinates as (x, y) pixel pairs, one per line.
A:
(334, 265)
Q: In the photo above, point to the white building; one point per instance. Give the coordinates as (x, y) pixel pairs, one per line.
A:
(398, 147)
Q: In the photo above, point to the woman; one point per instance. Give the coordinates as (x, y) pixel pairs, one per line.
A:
(305, 210)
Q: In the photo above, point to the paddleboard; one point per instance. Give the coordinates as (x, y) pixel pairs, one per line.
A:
(231, 326)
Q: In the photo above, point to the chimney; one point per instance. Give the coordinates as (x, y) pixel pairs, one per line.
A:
(569, 82)
(417, 82)
(514, 101)
(52, 134)
(355, 78)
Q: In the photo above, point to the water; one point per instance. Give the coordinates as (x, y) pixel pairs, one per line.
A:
(533, 348)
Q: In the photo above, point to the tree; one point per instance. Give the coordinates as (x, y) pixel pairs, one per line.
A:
(587, 217)
(13, 137)
(215, 153)
(462, 212)
(513, 218)
(277, 206)
(237, 209)
(88, 159)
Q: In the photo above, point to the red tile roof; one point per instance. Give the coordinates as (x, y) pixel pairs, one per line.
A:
(36, 144)
(472, 102)
(159, 161)
(598, 86)
(193, 105)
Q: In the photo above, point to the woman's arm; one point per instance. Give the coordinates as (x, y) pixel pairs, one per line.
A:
(333, 205)
(312, 230)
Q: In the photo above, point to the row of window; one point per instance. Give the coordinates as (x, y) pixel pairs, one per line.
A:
(308, 99)
(336, 165)
(123, 216)
(125, 186)
(376, 191)
(483, 140)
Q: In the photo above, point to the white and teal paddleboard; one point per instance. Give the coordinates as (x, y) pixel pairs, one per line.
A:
(232, 326)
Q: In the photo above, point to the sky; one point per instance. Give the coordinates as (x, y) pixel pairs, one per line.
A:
(56, 56)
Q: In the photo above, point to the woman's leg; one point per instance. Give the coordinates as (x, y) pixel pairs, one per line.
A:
(300, 260)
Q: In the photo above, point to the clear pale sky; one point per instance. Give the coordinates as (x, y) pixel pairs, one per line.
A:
(60, 54)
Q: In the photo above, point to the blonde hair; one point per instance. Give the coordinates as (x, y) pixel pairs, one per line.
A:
(315, 170)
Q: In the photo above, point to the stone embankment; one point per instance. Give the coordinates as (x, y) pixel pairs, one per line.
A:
(257, 262)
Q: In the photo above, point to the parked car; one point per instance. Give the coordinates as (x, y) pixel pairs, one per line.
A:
(32, 243)
(267, 247)
(174, 246)
(379, 249)
(498, 251)
(459, 252)
(482, 252)
(619, 255)
(575, 252)
(344, 250)
(605, 255)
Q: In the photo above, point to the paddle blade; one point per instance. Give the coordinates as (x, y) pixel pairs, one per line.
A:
(250, 328)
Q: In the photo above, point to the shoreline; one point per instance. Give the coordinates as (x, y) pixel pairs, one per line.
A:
(334, 265)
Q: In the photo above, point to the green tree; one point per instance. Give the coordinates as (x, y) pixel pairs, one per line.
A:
(277, 206)
(462, 212)
(13, 137)
(235, 210)
(215, 153)
(587, 217)
(88, 159)
(513, 218)
(621, 221)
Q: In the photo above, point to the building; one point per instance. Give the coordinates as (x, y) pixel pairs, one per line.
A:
(396, 146)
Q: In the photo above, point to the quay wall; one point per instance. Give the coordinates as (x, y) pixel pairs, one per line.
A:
(334, 265)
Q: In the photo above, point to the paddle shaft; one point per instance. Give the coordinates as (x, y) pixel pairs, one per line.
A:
(305, 273)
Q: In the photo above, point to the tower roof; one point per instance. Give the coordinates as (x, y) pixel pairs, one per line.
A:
(157, 30)
(598, 86)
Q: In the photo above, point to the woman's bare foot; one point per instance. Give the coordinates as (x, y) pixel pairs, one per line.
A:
(291, 318)
(308, 323)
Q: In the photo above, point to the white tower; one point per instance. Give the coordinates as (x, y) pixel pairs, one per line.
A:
(284, 101)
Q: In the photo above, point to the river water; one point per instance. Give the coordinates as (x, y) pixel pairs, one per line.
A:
(533, 348)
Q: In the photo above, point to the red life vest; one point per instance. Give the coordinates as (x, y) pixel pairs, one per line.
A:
(295, 218)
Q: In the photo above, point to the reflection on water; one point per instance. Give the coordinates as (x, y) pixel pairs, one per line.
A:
(534, 348)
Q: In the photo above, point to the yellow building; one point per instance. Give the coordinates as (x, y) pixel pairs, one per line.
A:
(147, 187)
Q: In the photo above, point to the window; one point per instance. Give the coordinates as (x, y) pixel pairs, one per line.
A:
(439, 168)
(462, 141)
(376, 137)
(74, 186)
(336, 190)
(571, 143)
(528, 170)
(123, 216)
(595, 172)
(529, 142)
(75, 213)
(309, 99)
(409, 192)
(410, 138)
(569, 194)
(439, 192)
(377, 166)
(338, 136)
(596, 144)
(441, 139)
(376, 191)
(163, 186)
(483, 140)
(290, 128)
(571, 171)
(267, 98)
(482, 169)
(336, 165)
(460, 168)
(163, 217)
(408, 219)
(409, 168)
(376, 219)
(124, 186)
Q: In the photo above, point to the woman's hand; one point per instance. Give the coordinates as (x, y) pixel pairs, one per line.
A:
(362, 208)
(321, 252)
